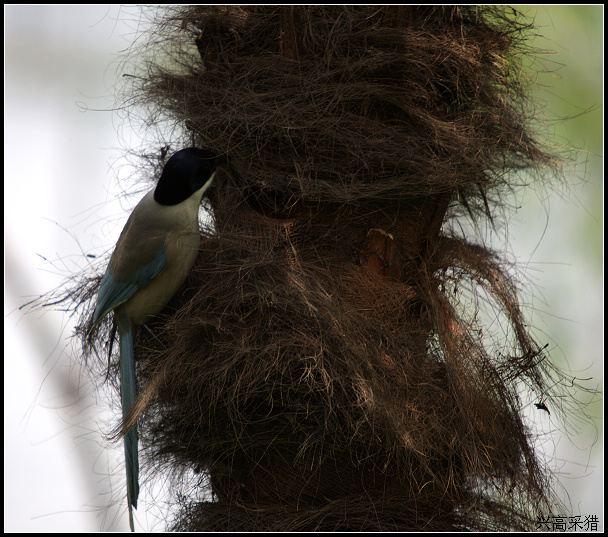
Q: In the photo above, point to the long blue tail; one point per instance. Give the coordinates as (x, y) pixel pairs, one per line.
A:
(127, 396)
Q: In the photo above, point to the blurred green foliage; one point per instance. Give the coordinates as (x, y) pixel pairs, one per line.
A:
(571, 88)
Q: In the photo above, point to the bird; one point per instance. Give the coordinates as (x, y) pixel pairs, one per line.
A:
(152, 258)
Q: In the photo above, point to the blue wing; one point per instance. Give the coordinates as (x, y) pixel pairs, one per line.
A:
(112, 293)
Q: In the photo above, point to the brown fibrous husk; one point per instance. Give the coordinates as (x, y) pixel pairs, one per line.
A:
(315, 393)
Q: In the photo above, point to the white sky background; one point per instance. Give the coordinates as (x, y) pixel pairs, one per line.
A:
(64, 149)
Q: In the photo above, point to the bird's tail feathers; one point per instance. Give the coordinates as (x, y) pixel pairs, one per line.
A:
(127, 395)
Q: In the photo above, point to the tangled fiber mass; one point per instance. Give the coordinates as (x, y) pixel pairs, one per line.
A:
(314, 368)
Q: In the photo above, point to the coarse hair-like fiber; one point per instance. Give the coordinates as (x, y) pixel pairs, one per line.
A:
(315, 367)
